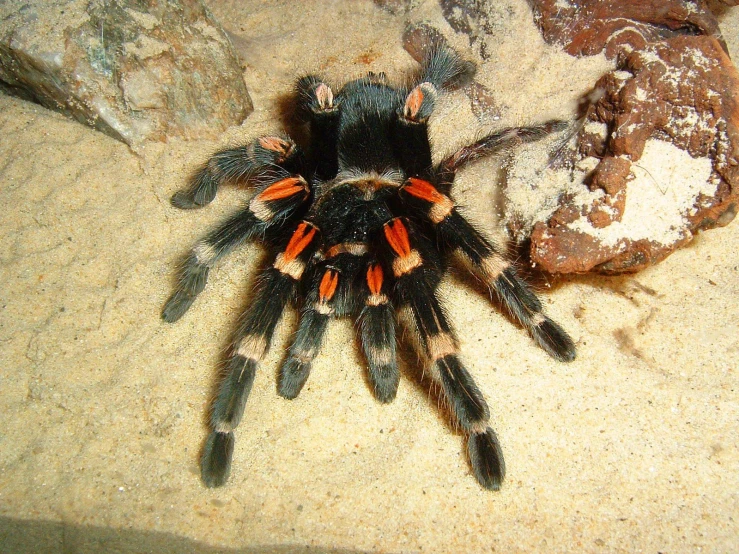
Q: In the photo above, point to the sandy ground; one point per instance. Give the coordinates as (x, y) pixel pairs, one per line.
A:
(630, 448)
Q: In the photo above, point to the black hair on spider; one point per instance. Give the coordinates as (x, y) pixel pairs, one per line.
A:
(359, 222)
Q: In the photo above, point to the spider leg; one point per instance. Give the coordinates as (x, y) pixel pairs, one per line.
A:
(311, 329)
(241, 163)
(377, 333)
(276, 287)
(457, 234)
(444, 68)
(268, 208)
(493, 144)
(415, 291)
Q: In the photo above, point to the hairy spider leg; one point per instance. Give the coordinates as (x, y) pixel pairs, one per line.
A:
(491, 144)
(456, 234)
(267, 209)
(275, 288)
(376, 323)
(444, 68)
(415, 295)
(243, 163)
(319, 307)
(411, 130)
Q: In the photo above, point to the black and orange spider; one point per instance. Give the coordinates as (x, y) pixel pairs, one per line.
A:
(360, 222)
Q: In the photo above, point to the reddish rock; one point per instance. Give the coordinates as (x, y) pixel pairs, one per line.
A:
(611, 175)
(684, 91)
(675, 86)
(586, 27)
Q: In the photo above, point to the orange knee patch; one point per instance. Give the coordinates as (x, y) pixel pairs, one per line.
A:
(441, 205)
(327, 288)
(407, 259)
(301, 238)
(397, 237)
(374, 279)
(423, 190)
(283, 189)
(413, 102)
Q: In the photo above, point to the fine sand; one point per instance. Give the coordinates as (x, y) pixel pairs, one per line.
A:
(630, 448)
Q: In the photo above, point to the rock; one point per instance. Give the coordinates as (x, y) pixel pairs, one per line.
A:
(395, 7)
(478, 20)
(586, 27)
(656, 159)
(132, 69)
(666, 161)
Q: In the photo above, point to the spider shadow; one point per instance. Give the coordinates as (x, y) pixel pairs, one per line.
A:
(294, 126)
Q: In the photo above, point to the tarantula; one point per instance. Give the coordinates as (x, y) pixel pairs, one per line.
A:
(359, 222)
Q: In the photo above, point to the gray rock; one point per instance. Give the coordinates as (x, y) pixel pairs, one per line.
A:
(136, 70)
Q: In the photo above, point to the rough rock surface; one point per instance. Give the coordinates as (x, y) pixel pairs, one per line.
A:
(136, 70)
(674, 93)
(683, 92)
(586, 27)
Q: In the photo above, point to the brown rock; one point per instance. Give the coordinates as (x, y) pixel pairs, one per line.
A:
(586, 27)
(135, 70)
(682, 91)
(610, 175)
(579, 252)
(482, 102)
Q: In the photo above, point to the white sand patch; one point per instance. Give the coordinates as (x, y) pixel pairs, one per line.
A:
(664, 190)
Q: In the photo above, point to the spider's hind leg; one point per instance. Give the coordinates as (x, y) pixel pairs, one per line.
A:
(319, 306)
(415, 290)
(377, 333)
(276, 287)
(241, 163)
(495, 143)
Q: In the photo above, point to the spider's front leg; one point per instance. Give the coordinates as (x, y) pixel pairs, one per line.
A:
(416, 277)
(276, 287)
(254, 161)
(441, 71)
(457, 234)
(317, 106)
(269, 208)
(411, 132)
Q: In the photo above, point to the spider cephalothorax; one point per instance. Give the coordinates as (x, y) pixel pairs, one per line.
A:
(359, 223)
